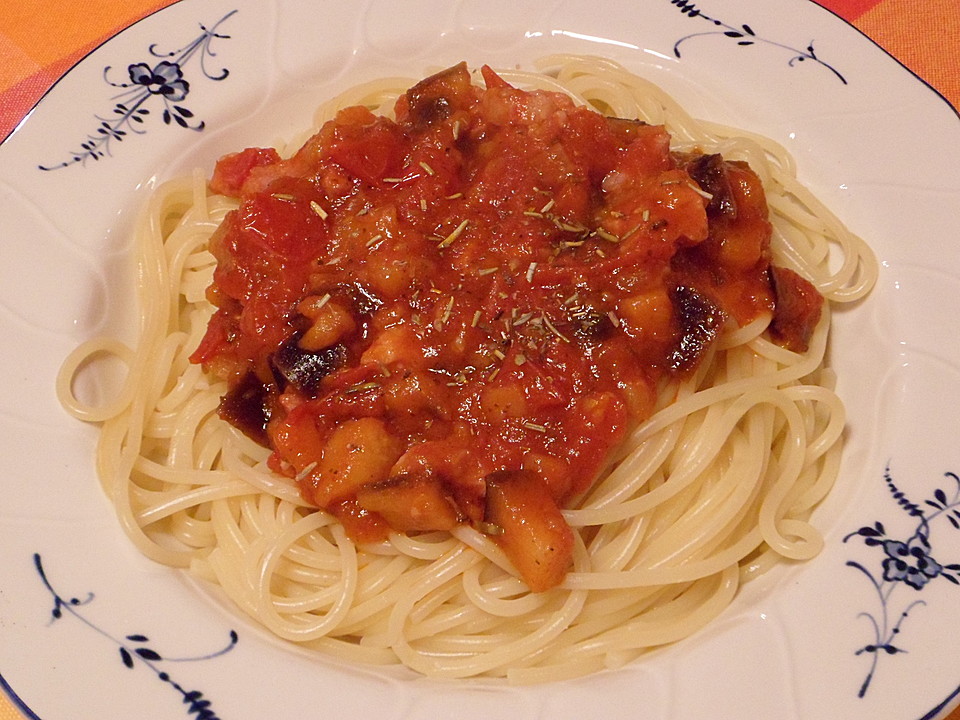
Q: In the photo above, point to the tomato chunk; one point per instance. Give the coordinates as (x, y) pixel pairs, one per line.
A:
(233, 170)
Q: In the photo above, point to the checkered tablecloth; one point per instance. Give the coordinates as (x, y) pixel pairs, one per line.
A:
(42, 39)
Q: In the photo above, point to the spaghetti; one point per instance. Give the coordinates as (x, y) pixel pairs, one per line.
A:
(716, 487)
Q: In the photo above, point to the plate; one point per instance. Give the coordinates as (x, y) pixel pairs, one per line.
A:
(88, 628)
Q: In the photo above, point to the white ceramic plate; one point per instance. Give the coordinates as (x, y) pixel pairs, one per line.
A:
(89, 629)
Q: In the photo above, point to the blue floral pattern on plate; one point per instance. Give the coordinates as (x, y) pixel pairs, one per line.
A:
(745, 36)
(135, 648)
(908, 563)
(147, 82)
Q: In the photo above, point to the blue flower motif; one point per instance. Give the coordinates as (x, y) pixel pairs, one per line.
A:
(905, 562)
(745, 36)
(165, 79)
(910, 562)
(135, 648)
(155, 82)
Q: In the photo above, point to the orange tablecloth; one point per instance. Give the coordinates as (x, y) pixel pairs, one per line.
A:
(42, 39)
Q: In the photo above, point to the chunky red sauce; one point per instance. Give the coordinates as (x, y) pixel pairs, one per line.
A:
(455, 317)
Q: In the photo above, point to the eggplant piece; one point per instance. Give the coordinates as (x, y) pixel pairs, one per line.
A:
(305, 369)
(700, 322)
(435, 98)
(530, 527)
(246, 406)
(710, 173)
(797, 310)
(412, 502)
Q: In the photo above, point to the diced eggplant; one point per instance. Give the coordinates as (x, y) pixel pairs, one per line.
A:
(305, 369)
(700, 321)
(797, 309)
(411, 502)
(710, 173)
(433, 99)
(358, 452)
(530, 527)
(246, 407)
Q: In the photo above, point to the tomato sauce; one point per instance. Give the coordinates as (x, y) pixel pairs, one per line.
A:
(456, 316)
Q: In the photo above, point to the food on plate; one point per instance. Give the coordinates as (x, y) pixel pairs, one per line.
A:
(497, 373)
